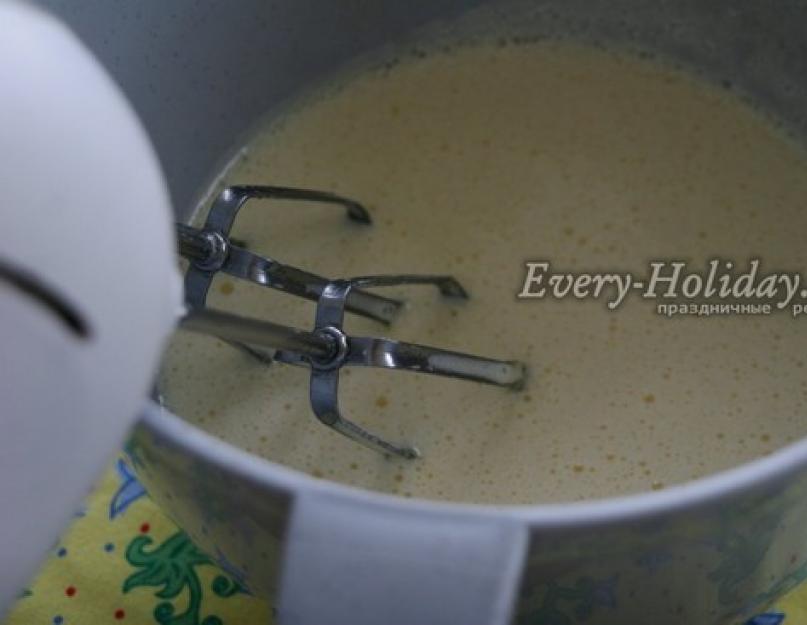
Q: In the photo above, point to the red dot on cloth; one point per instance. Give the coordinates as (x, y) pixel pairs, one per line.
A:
(70, 591)
(119, 614)
(144, 529)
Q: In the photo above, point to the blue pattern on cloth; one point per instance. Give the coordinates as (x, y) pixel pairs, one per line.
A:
(129, 491)
(772, 618)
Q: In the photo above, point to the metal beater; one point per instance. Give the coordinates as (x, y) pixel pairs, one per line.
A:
(327, 348)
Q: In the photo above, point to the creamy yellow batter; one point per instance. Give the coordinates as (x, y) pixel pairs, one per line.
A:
(473, 161)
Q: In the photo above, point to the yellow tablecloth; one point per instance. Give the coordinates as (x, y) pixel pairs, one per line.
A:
(122, 561)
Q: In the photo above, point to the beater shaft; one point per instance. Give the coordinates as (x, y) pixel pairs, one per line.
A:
(321, 350)
(210, 251)
(258, 333)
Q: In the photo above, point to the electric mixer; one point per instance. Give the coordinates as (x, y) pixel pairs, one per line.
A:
(87, 311)
(327, 348)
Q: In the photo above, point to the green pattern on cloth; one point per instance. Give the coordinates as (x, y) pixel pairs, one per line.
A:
(123, 561)
(171, 566)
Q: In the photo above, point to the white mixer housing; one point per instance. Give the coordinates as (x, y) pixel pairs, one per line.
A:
(86, 219)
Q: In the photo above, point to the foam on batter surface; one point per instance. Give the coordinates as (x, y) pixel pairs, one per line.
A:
(471, 162)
